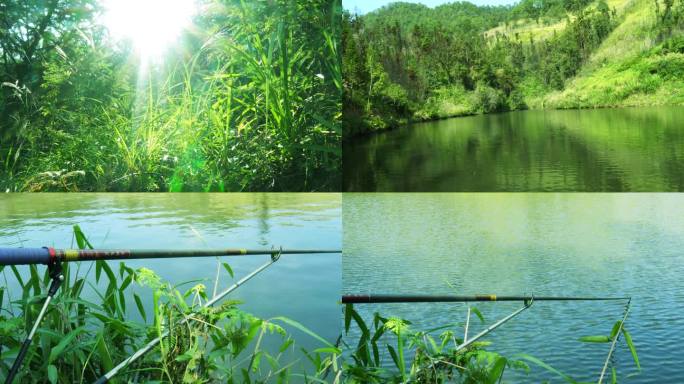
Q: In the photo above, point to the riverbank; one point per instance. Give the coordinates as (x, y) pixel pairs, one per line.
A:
(568, 100)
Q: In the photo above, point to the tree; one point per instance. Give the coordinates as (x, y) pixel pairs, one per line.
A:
(31, 32)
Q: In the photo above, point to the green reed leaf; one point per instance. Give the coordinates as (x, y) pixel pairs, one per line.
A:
(632, 348)
(57, 350)
(595, 339)
(141, 308)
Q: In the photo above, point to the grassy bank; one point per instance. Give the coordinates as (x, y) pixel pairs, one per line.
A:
(639, 64)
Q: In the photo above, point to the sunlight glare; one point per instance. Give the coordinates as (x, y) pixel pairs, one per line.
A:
(151, 25)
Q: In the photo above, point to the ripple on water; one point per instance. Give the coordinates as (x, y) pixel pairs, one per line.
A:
(627, 149)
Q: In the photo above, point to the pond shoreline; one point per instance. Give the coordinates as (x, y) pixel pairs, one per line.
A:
(367, 134)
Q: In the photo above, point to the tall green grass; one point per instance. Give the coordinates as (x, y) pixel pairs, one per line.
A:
(249, 99)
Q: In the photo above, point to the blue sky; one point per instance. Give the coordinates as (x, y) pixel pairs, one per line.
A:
(365, 6)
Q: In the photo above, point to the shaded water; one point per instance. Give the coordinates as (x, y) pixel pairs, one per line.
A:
(629, 149)
(201, 221)
(539, 244)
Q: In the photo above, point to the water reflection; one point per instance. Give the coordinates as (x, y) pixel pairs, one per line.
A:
(636, 149)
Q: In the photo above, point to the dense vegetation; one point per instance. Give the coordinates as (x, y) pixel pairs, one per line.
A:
(95, 322)
(430, 356)
(408, 62)
(248, 99)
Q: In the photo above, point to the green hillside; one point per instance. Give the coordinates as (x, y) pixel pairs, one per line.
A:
(407, 62)
(634, 66)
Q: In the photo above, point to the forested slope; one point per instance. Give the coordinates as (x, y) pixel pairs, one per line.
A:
(408, 62)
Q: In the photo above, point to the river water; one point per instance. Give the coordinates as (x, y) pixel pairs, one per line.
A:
(305, 288)
(537, 244)
(628, 149)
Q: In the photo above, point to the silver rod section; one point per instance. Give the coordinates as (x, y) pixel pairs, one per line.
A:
(492, 327)
(612, 345)
(40, 317)
(107, 376)
(465, 334)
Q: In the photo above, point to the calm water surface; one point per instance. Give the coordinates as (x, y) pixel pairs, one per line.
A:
(540, 244)
(629, 149)
(305, 288)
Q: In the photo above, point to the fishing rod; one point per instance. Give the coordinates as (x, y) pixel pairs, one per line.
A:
(467, 342)
(53, 258)
(398, 298)
(47, 255)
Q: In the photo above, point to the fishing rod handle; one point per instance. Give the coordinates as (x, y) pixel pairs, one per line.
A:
(22, 256)
(18, 360)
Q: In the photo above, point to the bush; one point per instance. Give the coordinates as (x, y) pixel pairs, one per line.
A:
(516, 100)
(669, 66)
(673, 45)
(447, 102)
(489, 99)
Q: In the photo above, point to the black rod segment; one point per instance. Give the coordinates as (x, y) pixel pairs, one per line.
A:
(396, 298)
(23, 256)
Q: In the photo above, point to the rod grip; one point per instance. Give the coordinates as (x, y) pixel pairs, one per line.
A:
(21, 256)
(354, 299)
(18, 361)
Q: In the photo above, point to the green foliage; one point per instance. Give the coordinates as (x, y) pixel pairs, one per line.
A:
(448, 101)
(435, 359)
(618, 329)
(489, 99)
(249, 100)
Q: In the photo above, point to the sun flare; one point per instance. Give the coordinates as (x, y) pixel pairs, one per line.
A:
(151, 25)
